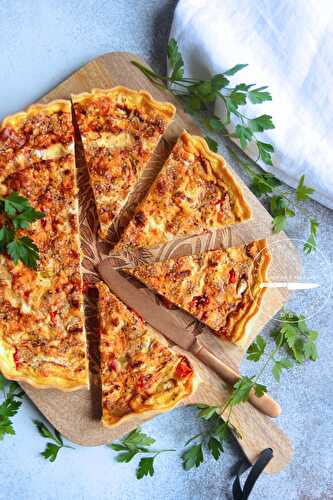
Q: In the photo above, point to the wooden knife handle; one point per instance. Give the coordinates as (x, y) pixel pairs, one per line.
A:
(265, 403)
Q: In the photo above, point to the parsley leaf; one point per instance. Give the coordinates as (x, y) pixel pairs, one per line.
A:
(235, 69)
(261, 123)
(18, 214)
(10, 406)
(296, 338)
(137, 438)
(279, 223)
(51, 452)
(136, 443)
(128, 455)
(215, 447)
(3, 382)
(281, 210)
(206, 411)
(145, 468)
(244, 135)
(263, 183)
(192, 457)
(241, 390)
(14, 203)
(219, 81)
(214, 123)
(24, 249)
(52, 449)
(6, 236)
(279, 366)
(257, 96)
(303, 192)
(256, 349)
(213, 146)
(265, 151)
(176, 60)
(25, 218)
(311, 243)
(237, 98)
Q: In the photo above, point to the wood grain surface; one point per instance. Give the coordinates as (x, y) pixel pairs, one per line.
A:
(77, 414)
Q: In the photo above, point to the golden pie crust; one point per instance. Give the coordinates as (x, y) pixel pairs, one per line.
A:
(120, 129)
(140, 373)
(221, 288)
(42, 337)
(195, 192)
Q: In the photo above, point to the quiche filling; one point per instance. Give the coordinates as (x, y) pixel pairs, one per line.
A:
(194, 192)
(139, 372)
(120, 129)
(42, 339)
(221, 288)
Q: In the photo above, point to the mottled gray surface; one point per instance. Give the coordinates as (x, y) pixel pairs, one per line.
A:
(41, 43)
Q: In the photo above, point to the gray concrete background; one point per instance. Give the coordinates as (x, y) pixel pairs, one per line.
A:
(41, 43)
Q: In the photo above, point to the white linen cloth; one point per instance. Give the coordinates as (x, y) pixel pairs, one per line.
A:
(288, 45)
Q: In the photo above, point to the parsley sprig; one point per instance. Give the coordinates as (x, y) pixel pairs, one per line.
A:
(16, 213)
(52, 448)
(9, 407)
(282, 204)
(211, 439)
(137, 443)
(294, 342)
(199, 97)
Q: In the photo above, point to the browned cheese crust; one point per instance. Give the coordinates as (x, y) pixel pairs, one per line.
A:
(42, 339)
(221, 288)
(194, 192)
(120, 129)
(140, 373)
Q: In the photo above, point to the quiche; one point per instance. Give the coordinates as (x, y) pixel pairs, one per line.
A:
(140, 373)
(221, 288)
(120, 129)
(194, 192)
(42, 338)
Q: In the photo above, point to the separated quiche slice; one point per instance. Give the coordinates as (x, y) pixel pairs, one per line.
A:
(194, 192)
(221, 288)
(140, 373)
(120, 129)
(42, 338)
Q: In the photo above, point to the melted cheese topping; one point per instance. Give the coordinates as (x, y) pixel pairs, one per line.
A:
(220, 287)
(42, 338)
(139, 372)
(120, 129)
(194, 192)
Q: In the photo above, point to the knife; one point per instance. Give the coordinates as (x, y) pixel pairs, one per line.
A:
(289, 285)
(144, 302)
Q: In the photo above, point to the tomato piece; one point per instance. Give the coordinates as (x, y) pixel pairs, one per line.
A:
(200, 300)
(232, 276)
(53, 315)
(16, 359)
(183, 368)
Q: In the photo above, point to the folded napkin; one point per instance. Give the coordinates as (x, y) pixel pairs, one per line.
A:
(289, 47)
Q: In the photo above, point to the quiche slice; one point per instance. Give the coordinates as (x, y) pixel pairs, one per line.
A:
(120, 129)
(140, 373)
(42, 338)
(221, 288)
(194, 192)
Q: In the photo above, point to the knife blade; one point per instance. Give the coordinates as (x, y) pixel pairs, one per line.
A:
(289, 285)
(145, 303)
